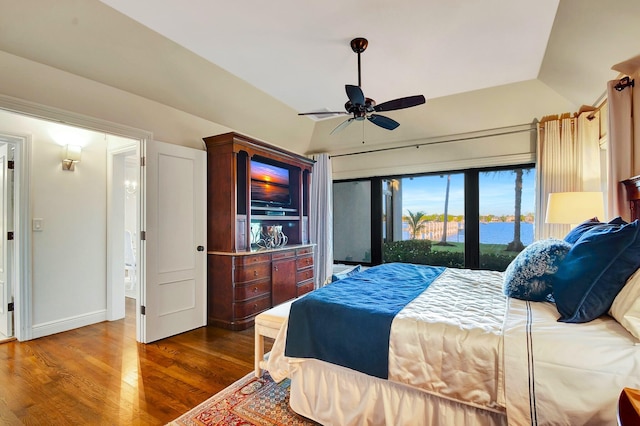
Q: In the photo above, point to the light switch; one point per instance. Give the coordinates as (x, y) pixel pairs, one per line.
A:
(37, 224)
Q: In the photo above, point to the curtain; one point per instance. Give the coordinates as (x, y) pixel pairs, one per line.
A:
(321, 217)
(568, 159)
(623, 153)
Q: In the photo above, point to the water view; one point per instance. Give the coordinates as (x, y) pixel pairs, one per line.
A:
(490, 233)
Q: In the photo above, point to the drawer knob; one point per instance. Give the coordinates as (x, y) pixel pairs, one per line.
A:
(255, 273)
(275, 268)
(255, 289)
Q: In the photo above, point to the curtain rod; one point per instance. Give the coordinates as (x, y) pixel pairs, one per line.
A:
(510, 132)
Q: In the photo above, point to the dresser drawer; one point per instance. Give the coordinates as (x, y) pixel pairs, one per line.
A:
(252, 272)
(252, 259)
(304, 262)
(304, 275)
(304, 288)
(253, 307)
(303, 251)
(282, 254)
(255, 289)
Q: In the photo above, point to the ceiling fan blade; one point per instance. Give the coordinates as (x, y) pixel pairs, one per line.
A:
(400, 103)
(355, 95)
(382, 121)
(342, 125)
(323, 113)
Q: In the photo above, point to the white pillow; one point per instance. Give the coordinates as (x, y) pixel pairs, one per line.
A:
(626, 306)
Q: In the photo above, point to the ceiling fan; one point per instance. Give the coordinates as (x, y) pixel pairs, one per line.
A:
(361, 107)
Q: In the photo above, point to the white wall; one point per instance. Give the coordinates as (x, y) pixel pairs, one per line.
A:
(509, 149)
(69, 272)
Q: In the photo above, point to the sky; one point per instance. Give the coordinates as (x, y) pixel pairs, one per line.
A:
(497, 193)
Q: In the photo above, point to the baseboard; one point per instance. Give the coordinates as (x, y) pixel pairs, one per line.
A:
(66, 324)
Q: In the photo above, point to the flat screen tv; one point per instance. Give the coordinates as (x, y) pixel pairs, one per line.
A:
(269, 185)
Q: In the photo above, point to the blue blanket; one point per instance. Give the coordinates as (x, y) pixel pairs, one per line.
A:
(348, 322)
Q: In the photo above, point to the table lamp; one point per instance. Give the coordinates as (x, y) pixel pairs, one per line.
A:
(574, 207)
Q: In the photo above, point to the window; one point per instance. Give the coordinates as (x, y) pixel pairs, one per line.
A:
(506, 215)
(474, 218)
(352, 221)
(426, 214)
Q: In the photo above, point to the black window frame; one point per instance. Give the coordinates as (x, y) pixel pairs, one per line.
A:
(471, 210)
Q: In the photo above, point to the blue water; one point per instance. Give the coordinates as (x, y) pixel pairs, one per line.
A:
(502, 233)
(495, 233)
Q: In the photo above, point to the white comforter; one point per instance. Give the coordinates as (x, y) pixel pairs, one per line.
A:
(447, 341)
(565, 374)
(464, 341)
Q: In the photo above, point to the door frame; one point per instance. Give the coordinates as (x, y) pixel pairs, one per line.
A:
(23, 318)
(21, 246)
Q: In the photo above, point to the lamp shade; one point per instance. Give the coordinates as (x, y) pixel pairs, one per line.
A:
(70, 156)
(574, 207)
(72, 153)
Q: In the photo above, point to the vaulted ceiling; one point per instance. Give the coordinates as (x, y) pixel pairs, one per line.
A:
(481, 65)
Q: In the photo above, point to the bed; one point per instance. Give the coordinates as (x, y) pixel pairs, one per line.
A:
(552, 340)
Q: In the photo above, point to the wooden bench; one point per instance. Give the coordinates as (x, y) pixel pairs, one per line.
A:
(267, 324)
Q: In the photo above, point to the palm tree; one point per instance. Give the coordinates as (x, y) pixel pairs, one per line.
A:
(516, 244)
(416, 222)
(443, 240)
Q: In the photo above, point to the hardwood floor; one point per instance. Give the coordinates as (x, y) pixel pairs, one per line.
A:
(100, 375)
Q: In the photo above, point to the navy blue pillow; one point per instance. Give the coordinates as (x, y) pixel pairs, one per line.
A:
(528, 276)
(617, 221)
(595, 270)
(573, 235)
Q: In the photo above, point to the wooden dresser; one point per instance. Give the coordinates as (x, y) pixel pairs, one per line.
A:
(244, 277)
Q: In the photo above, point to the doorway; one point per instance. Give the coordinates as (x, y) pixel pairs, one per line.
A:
(60, 256)
(67, 226)
(123, 205)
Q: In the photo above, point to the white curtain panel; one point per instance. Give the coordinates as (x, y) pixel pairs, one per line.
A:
(321, 217)
(620, 152)
(568, 159)
(623, 154)
(588, 150)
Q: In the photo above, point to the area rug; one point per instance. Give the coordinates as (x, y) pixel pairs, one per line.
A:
(249, 401)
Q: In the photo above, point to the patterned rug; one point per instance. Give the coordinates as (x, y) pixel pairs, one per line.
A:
(249, 401)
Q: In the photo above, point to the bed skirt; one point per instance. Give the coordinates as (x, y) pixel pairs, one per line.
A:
(334, 395)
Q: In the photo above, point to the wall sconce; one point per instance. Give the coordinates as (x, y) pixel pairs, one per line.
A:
(574, 207)
(71, 156)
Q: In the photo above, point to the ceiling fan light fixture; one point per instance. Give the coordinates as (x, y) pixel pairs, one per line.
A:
(361, 107)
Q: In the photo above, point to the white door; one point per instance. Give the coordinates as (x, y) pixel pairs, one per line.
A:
(5, 287)
(174, 293)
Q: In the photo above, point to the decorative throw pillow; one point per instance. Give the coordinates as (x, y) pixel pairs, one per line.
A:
(595, 270)
(626, 306)
(346, 273)
(528, 276)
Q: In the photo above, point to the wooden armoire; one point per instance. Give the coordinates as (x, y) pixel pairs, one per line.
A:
(247, 273)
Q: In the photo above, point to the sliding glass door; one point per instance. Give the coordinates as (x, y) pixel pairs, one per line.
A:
(426, 214)
(352, 221)
(507, 200)
(472, 218)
